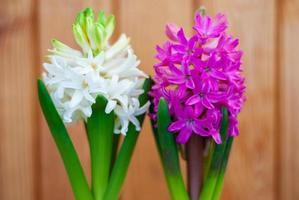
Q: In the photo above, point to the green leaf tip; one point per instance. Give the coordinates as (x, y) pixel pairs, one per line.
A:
(100, 103)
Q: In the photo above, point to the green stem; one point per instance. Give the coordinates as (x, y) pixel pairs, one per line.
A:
(100, 136)
(64, 144)
(219, 183)
(216, 161)
(169, 154)
(194, 150)
(122, 162)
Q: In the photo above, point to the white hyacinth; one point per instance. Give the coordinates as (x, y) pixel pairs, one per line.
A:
(75, 78)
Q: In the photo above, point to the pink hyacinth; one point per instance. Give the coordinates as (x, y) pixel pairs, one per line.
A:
(197, 76)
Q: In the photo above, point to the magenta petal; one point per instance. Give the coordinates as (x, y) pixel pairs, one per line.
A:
(180, 48)
(175, 126)
(206, 103)
(190, 83)
(198, 129)
(218, 75)
(171, 31)
(192, 42)
(193, 100)
(176, 80)
(216, 137)
(198, 109)
(184, 135)
(181, 36)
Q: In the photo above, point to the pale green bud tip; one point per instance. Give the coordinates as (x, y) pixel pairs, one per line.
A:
(110, 26)
(88, 12)
(99, 34)
(58, 45)
(102, 18)
(202, 10)
(78, 33)
(111, 21)
(80, 19)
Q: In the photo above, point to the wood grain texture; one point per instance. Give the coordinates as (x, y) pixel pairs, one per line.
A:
(143, 22)
(30, 166)
(251, 168)
(56, 18)
(289, 95)
(17, 101)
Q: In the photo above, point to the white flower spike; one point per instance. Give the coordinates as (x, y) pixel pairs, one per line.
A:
(74, 78)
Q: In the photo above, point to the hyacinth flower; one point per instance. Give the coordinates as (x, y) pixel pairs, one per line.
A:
(101, 85)
(197, 94)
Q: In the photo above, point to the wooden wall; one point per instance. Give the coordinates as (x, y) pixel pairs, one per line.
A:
(264, 164)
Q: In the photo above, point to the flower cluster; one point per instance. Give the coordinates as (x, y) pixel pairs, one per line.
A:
(75, 78)
(198, 76)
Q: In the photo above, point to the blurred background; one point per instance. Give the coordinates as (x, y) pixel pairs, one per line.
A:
(264, 162)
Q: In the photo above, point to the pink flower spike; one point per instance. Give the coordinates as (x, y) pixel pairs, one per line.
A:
(197, 76)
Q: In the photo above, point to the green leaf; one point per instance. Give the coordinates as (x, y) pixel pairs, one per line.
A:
(208, 158)
(169, 154)
(121, 165)
(64, 145)
(100, 136)
(155, 131)
(215, 161)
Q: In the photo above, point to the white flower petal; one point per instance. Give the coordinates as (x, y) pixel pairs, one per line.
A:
(136, 123)
(77, 97)
(143, 109)
(120, 44)
(110, 106)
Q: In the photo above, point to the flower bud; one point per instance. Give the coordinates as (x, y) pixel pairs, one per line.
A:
(109, 26)
(80, 37)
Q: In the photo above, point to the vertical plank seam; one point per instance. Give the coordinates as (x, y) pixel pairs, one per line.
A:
(279, 17)
(37, 118)
(115, 10)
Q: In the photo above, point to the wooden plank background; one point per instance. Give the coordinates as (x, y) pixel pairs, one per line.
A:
(264, 163)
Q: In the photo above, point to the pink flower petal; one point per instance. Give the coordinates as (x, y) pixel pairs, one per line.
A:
(190, 83)
(171, 31)
(184, 135)
(216, 136)
(206, 103)
(193, 100)
(175, 126)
